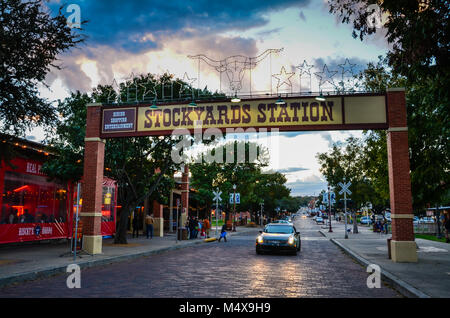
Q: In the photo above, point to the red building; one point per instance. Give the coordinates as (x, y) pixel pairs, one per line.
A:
(32, 207)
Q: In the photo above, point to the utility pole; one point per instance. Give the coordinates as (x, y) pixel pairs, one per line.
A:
(261, 213)
(233, 226)
(217, 197)
(329, 210)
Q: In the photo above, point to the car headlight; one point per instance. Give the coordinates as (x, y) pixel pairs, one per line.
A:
(260, 239)
(291, 240)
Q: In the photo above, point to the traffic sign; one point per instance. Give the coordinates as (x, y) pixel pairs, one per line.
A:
(217, 195)
(345, 187)
(237, 197)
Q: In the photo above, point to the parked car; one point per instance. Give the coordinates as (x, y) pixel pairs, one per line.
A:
(278, 237)
(426, 220)
(319, 219)
(366, 220)
(416, 220)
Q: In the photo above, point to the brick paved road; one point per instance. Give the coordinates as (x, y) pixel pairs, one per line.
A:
(229, 269)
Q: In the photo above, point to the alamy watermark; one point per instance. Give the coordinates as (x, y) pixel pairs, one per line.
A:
(374, 279)
(74, 19)
(375, 18)
(262, 138)
(74, 279)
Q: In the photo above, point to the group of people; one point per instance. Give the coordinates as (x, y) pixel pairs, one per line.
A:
(196, 227)
(27, 217)
(381, 226)
(149, 221)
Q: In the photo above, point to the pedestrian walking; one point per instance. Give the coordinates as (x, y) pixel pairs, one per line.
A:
(149, 225)
(135, 225)
(223, 233)
(200, 228)
(191, 227)
(207, 226)
(447, 227)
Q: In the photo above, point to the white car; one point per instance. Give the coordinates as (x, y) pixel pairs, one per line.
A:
(365, 220)
(426, 220)
(319, 219)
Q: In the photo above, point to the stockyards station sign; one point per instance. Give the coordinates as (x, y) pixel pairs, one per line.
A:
(361, 111)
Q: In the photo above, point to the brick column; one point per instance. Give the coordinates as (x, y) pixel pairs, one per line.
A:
(185, 195)
(94, 152)
(403, 247)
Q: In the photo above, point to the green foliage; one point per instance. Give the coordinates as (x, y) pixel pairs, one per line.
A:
(143, 166)
(253, 185)
(418, 61)
(31, 39)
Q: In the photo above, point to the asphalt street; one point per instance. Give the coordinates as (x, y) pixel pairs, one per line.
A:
(230, 269)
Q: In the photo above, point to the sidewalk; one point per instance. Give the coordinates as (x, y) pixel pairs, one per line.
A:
(28, 262)
(429, 277)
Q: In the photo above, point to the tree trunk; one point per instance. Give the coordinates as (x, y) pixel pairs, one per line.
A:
(121, 232)
(355, 223)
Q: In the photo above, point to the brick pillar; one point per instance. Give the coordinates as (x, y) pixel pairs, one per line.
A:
(403, 247)
(94, 152)
(158, 226)
(185, 195)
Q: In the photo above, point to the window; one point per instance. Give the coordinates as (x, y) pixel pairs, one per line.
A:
(32, 199)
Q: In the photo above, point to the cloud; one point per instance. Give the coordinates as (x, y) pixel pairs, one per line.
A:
(126, 24)
(264, 34)
(302, 16)
(307, 186)
(291, 170)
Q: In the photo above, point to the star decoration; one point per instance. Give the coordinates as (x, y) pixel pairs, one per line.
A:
(149, 89)
(283, 77)
(131, 82)
(347, 67)
(326, 77)
(187, 80)
(305, 68)
(114, 92)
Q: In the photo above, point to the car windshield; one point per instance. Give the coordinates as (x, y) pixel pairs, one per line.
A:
(281, 229)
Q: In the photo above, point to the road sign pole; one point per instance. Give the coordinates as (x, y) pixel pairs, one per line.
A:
(217, 214)
(76, 221)
(176, 240)
(345, 213)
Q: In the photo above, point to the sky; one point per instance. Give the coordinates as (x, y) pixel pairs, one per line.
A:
(137, 37)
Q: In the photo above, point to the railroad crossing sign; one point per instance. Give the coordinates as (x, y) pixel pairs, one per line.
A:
(345, 187)
(217, 195)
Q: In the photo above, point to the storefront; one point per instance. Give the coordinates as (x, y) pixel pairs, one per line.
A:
(33, 208)
(109, 206)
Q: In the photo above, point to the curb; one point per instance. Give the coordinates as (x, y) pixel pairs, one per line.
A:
(33, 275)
(405, 288)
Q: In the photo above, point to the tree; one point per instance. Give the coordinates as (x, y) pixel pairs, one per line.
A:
(31, 40)
(418, 61)
(143, 167)
(253, 185)
(345, 162)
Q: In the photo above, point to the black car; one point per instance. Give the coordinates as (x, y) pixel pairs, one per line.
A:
(278, 237)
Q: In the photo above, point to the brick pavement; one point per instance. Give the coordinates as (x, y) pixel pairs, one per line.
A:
(215, 269)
